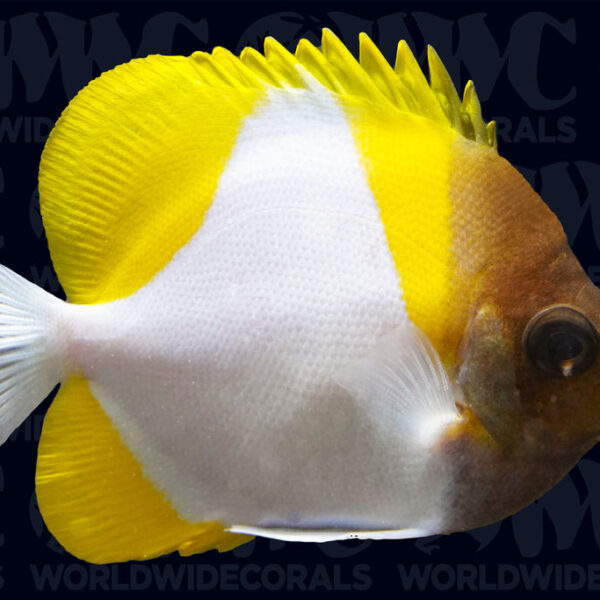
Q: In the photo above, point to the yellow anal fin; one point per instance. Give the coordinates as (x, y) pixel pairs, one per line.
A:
(94, 496)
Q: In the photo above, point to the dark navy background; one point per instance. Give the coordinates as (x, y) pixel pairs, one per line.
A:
(536, 67)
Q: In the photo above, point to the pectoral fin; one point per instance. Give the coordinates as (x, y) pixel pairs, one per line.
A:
(405, 386)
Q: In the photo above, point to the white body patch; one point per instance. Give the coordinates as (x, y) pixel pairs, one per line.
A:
(219, 373)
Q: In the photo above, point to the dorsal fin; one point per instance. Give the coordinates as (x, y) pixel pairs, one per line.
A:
(133, 164)
(372, 78)
(147, 141)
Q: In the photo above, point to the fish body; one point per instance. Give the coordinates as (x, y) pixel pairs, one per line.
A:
(307, 300)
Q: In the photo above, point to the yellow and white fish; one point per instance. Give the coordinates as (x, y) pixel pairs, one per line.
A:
(308, 300)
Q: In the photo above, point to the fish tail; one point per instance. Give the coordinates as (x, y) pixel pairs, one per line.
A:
(30, 348)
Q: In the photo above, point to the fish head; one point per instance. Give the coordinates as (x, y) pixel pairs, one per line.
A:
(527, 361)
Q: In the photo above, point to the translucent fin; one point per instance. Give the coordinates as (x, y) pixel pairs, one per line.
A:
(405, 385)
(31, 358)
(465, 116)
(330, 535)
(132, 165)
(444, 89)
(94, 496)
(417, 92)
(472, 108)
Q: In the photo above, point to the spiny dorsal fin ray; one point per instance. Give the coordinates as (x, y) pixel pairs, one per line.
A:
(472, 108)
(444, 89)
(256, 62)
(314, 61)
(349, 72)
(284, 63)
(382, 74)
(419, 94)
(372, 78)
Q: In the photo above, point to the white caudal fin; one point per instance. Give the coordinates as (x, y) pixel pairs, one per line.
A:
(30, 360)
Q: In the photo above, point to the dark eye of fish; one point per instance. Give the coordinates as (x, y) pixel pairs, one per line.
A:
(561, 341)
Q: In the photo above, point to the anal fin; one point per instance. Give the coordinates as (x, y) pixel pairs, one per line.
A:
(94, 496)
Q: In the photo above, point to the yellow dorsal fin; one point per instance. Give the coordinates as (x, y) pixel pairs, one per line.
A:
(444, 89)
(94, 496)
(349, 72)
(417, 93)
(133, 163)
(472, 108)
(381, 73)
(314, 61)
(372, 78)
(284, 63)
(256, 62)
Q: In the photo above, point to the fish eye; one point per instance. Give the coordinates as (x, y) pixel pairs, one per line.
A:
(561, 341)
